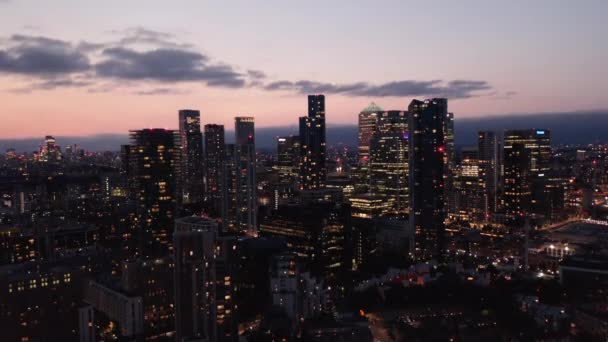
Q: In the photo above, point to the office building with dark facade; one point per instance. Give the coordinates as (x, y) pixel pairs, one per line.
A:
(288, 158)
(154, 174)
(317, 234)
(191, 140)
(229, 190)
(427, 149)
(246, 195)
(489, 149)
(204, 303)
(313, 171)
(215, 164)
(530, 185)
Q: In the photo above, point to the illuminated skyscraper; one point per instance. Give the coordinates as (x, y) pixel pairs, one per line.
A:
(50, 151)
(288, 158)
(527, 156)
(427, 175)
(449, 162)
(489, 150)
(191, 140)
(215, 155)
(389, 160)
(154, 163)
(246, 177)
(229, 189)
(313, 172)
(368, 120)
(470, 195)
(288, 169)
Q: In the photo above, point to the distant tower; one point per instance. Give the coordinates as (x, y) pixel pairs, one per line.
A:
(215, 155)
(427, 125)
(489, 150)
(50, 151)
(246, 177)
(368, 120)
(191, 141)
(229, 188)
(313, 171)
(449, 161)
(154, 173)
(288, 158)
(389, 160)
(527, 156)
(470, 191)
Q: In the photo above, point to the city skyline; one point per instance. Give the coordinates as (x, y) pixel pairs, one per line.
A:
(125, 76)
(311, 171)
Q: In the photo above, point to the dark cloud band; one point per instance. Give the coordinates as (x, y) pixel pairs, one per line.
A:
(453, 89)
(155, 57)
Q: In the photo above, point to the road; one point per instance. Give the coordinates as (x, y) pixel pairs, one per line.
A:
(560, 224)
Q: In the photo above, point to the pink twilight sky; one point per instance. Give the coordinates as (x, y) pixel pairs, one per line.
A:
(81, 68)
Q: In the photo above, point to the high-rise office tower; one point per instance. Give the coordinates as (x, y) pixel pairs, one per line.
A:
(489, 151)
(229, 189)
(389, 160)
(50, 151)
(449, 162)
(527, 156)
(69, 153)
(204, 308)
(288, 158)
(470, 195)
(154, 177)
(215, 155)
(368, 120)
(191, 140)
(246, 176)
(313, 172)
(427, 175)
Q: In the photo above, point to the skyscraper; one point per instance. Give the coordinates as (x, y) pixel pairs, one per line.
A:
(246, 176)
(449, 162)
(489, 151)
(470, 195)
(527, 155)
(388, 161)
(194, 276)
(427, 175)
(229, 189)
(50, 151)
(204, 306)
(191, 139)
(313, 172)
(288, 158)
(215, 155)
(368, 121)
(154, 173)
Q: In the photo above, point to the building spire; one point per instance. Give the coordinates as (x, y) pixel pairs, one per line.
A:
(372, 108)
